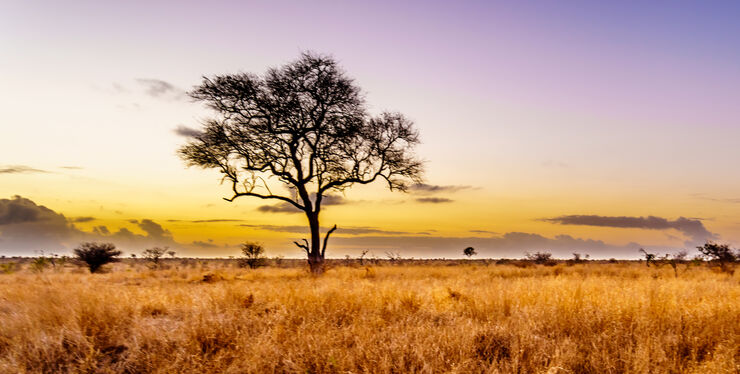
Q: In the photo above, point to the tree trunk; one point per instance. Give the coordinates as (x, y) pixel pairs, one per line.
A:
(315, 257)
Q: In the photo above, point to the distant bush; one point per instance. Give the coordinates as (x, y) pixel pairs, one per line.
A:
(361, 259)
(55, 261)
(470, 251)
(253, 255)
(7, 267)
(154, 254)
(39, 264)
(278, 261)
(673, 260)
(577, 259)
(95, 255)
(649, 257)
(541, 258)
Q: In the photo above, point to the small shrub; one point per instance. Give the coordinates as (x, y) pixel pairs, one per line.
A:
(39, 264)
(278, 261)
(393, 257)
(7, 267)
(253, 255)
(493, 346)
(541, 258)
(470, 251)
(674, 260)
(577, 259)
(95, 255)
(56, 260)
(212, 277)
(362, 257)
(154, 254)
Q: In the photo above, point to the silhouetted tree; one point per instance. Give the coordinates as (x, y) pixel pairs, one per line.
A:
(253, 255)
(154, 254)
(306, 125)
(720, 254)
(649, 257)
(470, 251)
(675, 260)
(95, 255)
(542, 258)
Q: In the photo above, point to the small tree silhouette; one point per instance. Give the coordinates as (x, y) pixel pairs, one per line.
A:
(172, 253)
(253, 255)
(721, 255)
(95, 255)
(541, 258)
(154, 254)
(649, 257)
(470, 251)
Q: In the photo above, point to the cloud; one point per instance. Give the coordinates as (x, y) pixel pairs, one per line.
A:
(434, 200)
(216, 220)
(424, 189)
(26, 227)
(71, 167)
(187, 132)
(282, 207)
(692, 228)
(511, 245)
(153, 229)
(22, 210)
(717, 199)
(349, 230)
(483, 232)
(20, 169)
(82, 219)
(208, 244)
(285, 207)
(101, 230)
(160, 88)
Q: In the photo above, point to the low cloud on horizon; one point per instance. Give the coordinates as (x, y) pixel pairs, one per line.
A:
(26, 227)
(691, 227)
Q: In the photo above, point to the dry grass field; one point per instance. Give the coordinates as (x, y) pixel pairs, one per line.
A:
(468, 318)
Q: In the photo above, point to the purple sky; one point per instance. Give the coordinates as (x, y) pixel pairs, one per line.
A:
(548, 109)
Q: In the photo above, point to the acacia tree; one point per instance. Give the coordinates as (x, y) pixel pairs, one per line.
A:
(297, 133)
(95, 255)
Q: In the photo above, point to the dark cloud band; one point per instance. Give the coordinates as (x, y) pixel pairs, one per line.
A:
(693, 228)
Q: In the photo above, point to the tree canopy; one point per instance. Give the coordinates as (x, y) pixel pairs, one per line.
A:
(303, 125)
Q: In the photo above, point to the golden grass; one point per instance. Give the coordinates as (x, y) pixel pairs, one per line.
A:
(587, 318)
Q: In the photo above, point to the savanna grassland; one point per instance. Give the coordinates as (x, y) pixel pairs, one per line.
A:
(214, 317)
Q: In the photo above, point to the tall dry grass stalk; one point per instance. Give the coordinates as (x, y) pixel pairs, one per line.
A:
(590, 318)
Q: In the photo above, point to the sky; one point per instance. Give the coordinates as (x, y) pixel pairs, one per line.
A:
(590, 127)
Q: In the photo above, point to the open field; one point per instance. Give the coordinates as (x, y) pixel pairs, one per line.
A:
(585, 318)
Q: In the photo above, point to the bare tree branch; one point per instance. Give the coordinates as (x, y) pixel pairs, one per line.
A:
(326, 240)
